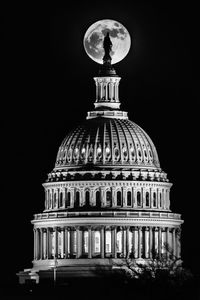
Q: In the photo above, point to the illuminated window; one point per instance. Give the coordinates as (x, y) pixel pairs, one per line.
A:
(108, 241)
(132, 152)
(85, 242)
(119, 241)
(99, 152)
(60, 245)
(97, 242)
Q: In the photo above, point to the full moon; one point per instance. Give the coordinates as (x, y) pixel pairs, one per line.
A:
(119, 36)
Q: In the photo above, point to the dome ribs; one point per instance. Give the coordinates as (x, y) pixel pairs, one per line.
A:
(119, 140)
(107, 142)
(126, 140)
(112, 145)
(95, 144)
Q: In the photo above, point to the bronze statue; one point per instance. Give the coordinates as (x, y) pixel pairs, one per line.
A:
(107, 45)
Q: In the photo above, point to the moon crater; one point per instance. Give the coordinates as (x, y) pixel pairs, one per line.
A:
(94, 36)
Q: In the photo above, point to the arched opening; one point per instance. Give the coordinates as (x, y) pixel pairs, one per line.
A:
(147, 199)
(154, 199)
(87, 198)
(98, 199)
(138, 199)
(129, 202)
(77, 199)
(108, 198)
(119, 198)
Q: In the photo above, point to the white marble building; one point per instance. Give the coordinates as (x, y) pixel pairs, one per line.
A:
(107, 197)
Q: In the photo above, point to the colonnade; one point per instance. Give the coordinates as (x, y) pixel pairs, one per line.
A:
(106, 242)
(154, 198)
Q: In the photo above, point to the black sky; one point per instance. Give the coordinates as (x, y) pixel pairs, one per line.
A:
(49, 88)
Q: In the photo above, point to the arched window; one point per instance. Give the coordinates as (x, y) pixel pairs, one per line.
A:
(98, 199)
(108, 198)
(129, 198)
(97, 248)
(77, 200)
(154, 199)
(108, 241)
(87, 198)
(119, 198)
(68, 198)
(138, 199)
(147, 199)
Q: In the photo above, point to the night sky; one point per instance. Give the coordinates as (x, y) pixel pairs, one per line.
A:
(49, 88)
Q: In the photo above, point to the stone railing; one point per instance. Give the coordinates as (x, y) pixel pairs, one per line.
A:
(139, 214)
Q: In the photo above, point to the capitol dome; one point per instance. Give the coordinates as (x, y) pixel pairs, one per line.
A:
(106, 199)
(105, 142)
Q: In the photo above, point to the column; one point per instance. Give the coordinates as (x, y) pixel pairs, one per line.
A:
(178, 239)
(89, 242)
(133, 242)
(159, 241)
(145, 243)
(56, 242)
(34, 244)
(124, 241)
(150, 242)
(174, 241)
(102, 242)
(47, 243)
(167, 248)
(139, 241)
(41, 243)
(114, 241)
(66, 242)
(78, 242)
(127, 241)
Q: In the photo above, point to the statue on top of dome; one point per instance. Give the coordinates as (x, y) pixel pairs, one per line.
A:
(107, 45)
